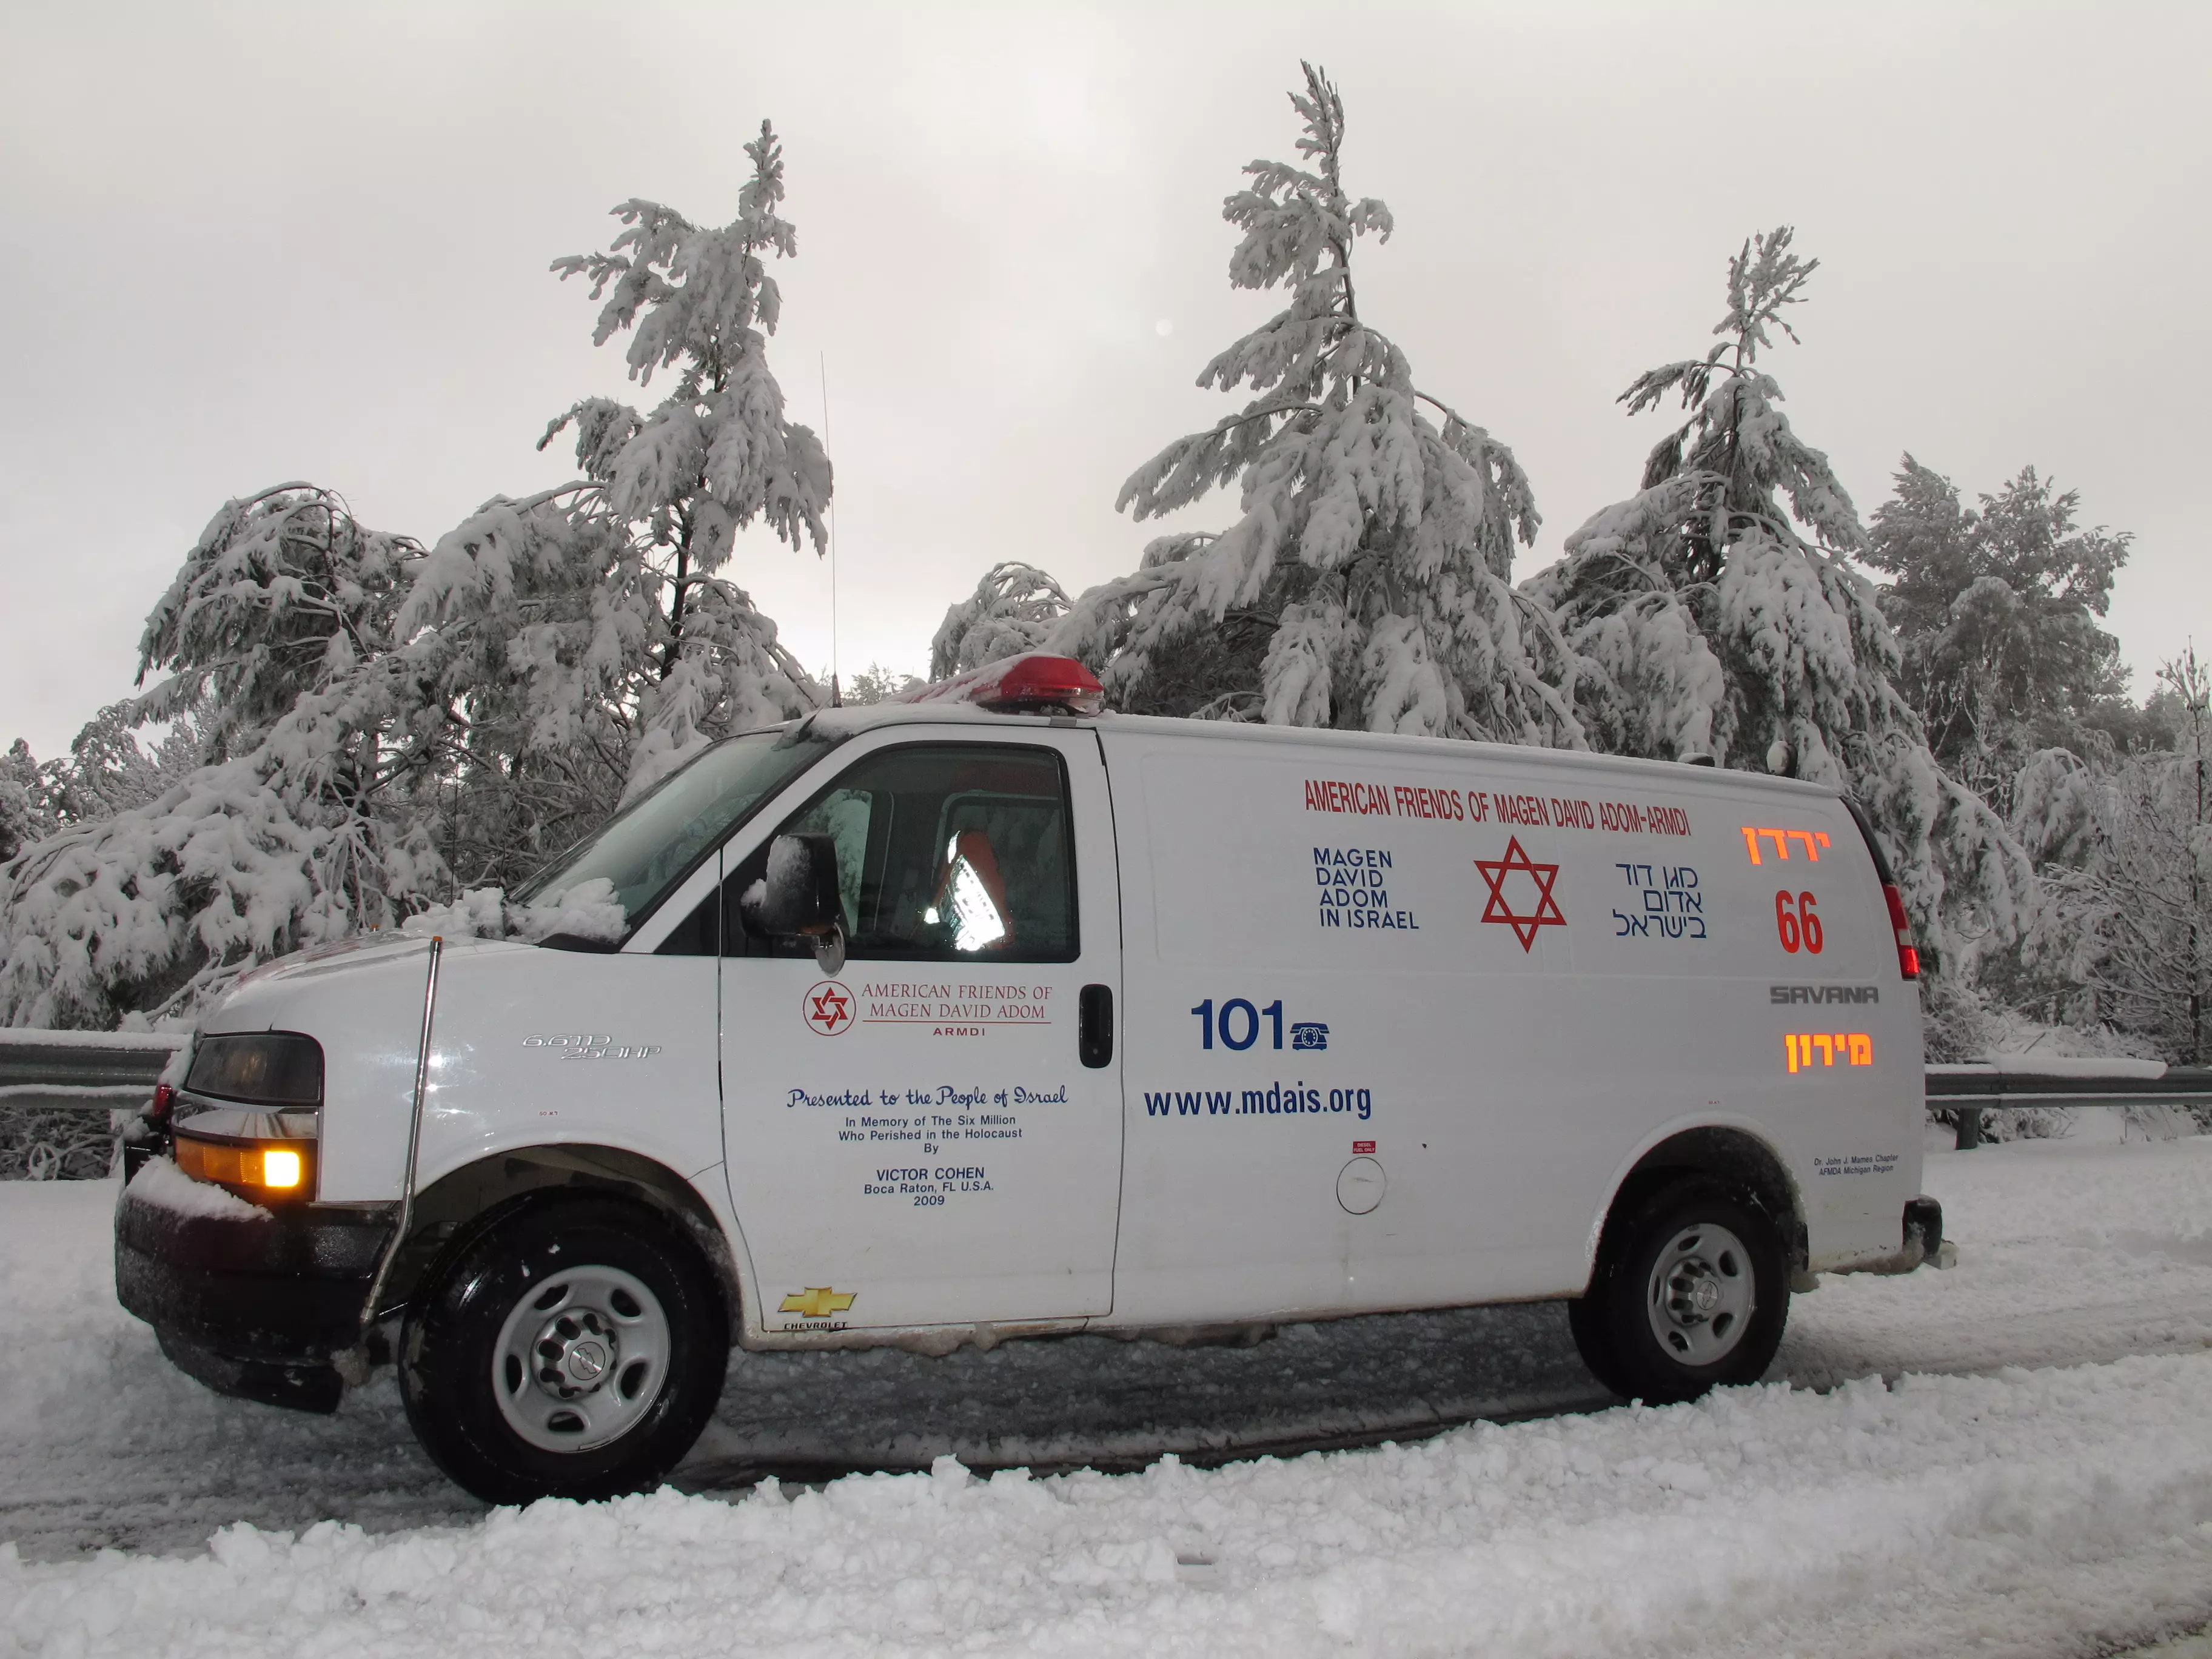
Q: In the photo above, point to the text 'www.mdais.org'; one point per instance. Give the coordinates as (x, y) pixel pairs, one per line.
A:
(1276, 1100)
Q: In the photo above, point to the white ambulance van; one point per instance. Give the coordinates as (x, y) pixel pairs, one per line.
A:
(986, 1015)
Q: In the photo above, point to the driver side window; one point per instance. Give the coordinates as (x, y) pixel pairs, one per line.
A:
(946, 852)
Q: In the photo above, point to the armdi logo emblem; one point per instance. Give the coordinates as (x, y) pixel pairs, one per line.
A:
(828, 1007)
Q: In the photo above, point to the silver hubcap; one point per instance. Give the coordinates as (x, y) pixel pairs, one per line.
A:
(1701, 1295)
(580, 1358)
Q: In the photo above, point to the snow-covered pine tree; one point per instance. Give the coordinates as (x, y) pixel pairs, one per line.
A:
(585, 639)
(668, 492)
(522, 631)
(877, 683)
(1997, 608)
(109, 770)
(378, 725)
(283, 593)
(1014, 609)
(294, 829)
(1713, 626)
(1367, 583)
(26, 811)
(2125, 851)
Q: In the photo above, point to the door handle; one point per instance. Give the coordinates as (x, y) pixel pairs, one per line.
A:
(1094, 1026)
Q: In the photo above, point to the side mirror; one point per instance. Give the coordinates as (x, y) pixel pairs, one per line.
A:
(800, 897)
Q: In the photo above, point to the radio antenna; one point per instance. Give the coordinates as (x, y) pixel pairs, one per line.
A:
(837, 694)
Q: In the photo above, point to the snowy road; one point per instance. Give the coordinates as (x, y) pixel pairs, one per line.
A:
(2062, 1510)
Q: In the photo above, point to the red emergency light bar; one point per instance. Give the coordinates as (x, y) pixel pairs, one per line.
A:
(1028, 684)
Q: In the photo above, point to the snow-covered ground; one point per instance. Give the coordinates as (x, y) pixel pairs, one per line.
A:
(2014, 1457)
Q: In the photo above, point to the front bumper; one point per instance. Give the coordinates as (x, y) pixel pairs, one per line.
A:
(252, 1308)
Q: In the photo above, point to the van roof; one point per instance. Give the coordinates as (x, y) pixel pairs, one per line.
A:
(853, 719)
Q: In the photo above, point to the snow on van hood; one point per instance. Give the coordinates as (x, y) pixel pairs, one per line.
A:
(588, 910)
(362, 950)
(370, 946)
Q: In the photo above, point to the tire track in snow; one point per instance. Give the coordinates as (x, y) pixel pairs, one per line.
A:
(2059, 1513)
(1971, 1345)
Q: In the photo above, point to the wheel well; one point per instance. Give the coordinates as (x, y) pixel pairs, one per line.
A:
(457, 1209)
(1743, 1160)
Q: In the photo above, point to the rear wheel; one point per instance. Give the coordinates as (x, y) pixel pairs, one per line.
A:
(1691, 1293)
(574, 1351)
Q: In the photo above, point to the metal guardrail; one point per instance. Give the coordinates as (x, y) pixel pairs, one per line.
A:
(42, 1071)
(57, 1090)
(2015, 1082)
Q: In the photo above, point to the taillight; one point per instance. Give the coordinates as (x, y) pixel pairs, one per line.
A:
(163, 1103)
(1908, 953)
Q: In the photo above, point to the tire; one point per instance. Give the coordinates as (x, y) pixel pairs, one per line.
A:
(574, 1350)
(1691, 1293)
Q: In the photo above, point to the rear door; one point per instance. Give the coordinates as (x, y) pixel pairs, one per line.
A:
(917, 1138)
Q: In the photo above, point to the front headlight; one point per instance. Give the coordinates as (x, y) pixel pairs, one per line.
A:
(261, 1068)
(263, 1147)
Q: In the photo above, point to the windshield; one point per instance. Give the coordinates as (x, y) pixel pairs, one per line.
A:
(658, 838)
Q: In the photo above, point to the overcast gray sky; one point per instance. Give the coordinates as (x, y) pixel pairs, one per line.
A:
(243, 244)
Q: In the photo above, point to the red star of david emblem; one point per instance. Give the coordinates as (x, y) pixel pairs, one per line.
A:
(829, 1007)
(1546, 911)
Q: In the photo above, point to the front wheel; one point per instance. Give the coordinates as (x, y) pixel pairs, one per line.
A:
(1691, 1293)
(574, 1351)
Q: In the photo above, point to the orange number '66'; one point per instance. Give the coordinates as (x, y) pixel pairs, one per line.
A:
(1800, 927)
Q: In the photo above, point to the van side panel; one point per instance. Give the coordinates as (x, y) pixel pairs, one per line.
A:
(1496, 977)
(530, 1047)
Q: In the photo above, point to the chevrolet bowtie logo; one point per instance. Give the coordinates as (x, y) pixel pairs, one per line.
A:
(817, 1302)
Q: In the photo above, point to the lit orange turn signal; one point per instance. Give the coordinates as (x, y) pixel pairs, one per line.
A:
(230, 1164)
